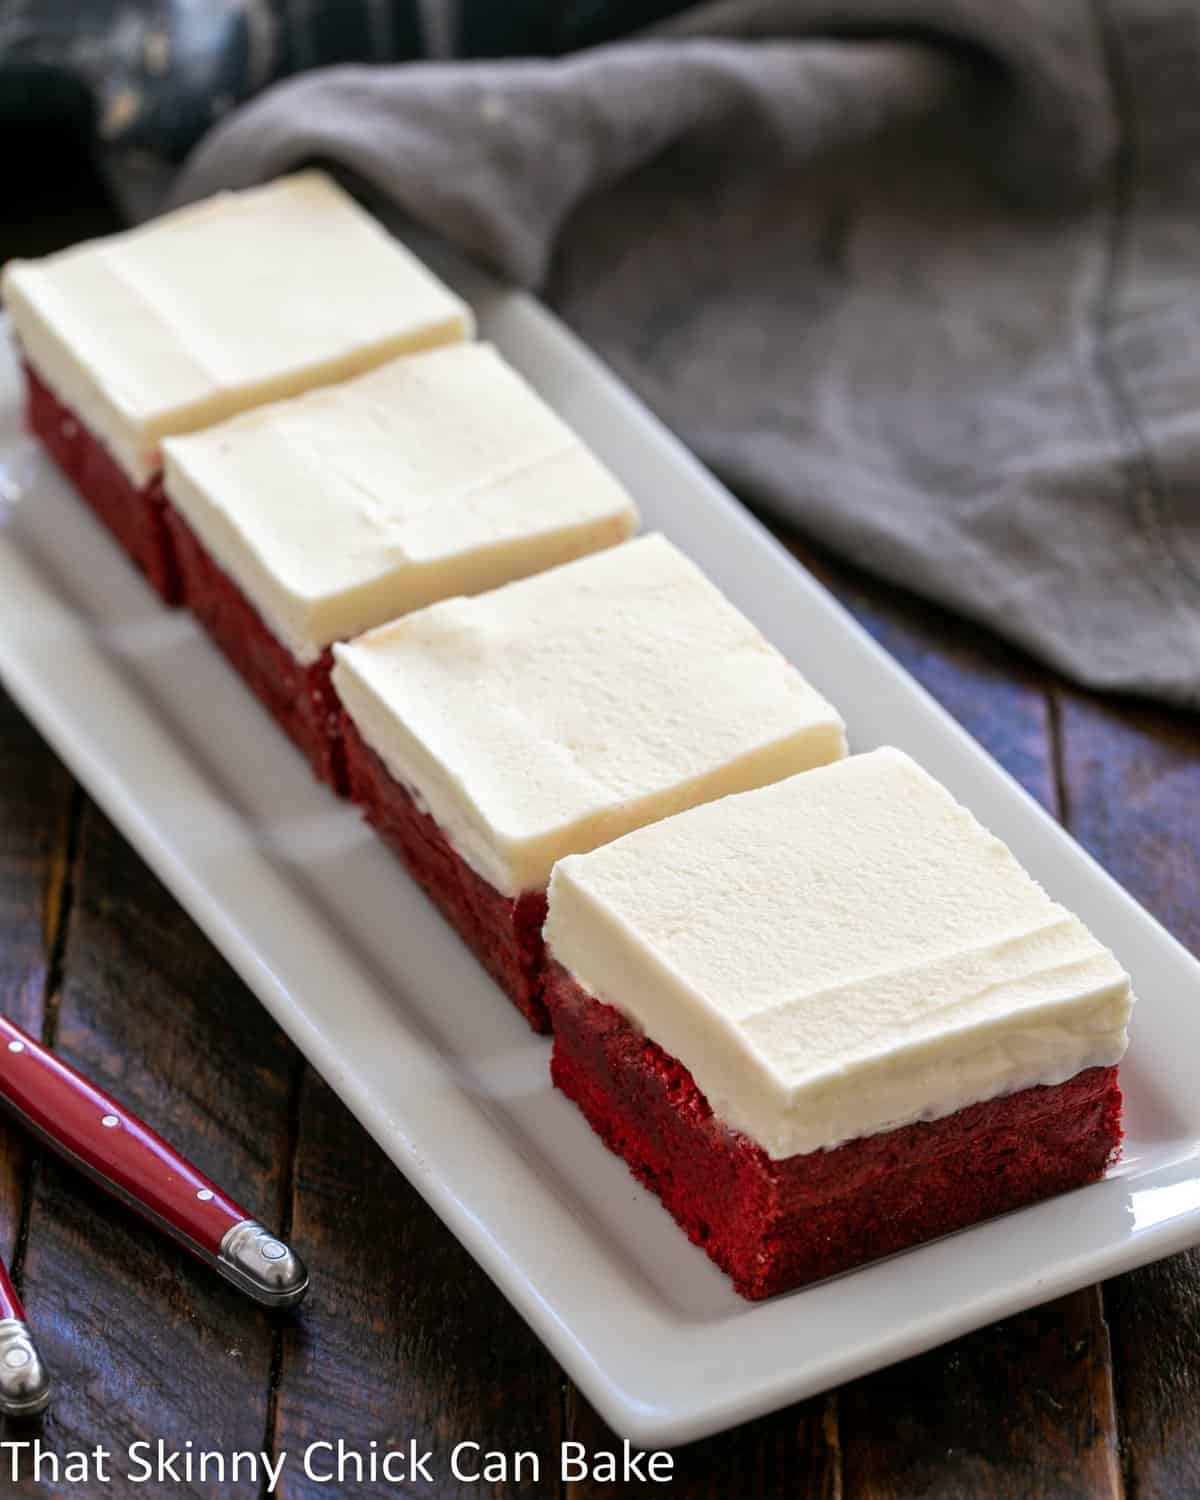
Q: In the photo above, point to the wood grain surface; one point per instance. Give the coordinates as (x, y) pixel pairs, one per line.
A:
(1097, 1394)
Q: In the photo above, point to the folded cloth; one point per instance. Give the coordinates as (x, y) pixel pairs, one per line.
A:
(922, 276)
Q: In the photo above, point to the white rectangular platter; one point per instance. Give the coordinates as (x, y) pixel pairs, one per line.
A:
(341, 948)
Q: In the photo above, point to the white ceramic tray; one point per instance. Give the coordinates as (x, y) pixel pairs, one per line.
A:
(390, 1008)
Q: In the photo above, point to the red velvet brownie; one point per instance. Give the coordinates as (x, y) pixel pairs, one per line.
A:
(202, 313)
(298, 694)
(831, 1019)
(307, 521)
(504, 932)
(486, 738)
(133, 513)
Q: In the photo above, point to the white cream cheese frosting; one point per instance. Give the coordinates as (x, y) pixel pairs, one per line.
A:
(245, 297)
(436, 474)
(839, 954)
(559, 712)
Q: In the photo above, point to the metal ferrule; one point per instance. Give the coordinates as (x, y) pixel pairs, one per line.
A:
(24, 1384)
(262, 1266)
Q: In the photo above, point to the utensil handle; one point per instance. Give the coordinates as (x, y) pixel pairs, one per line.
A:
(99, 1136)
(24, 1384)
(10, 1303)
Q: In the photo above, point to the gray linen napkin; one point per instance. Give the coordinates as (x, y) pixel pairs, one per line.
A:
(921, 275)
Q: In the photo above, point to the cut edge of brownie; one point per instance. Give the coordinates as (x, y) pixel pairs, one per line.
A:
(299, 696)
(135, 515)
(504, 932)
(776, 1225)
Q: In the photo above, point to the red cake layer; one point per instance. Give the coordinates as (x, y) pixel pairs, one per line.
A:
(776, 1225)
(504, 933)
(134, 515)
(300, 696)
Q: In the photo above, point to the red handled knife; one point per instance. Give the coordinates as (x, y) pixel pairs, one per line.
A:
(94, 1133)
(24, 1384)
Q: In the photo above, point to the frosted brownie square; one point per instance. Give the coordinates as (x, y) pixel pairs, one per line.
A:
(832, 1018)
(486, 738)
(308, 521)
(162, 329)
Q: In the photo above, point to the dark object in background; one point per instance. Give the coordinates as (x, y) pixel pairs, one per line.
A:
(144, 79)
(515, 28)
(159, 72)
(54, 193)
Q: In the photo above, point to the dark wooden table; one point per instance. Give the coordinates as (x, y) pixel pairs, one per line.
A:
(1096, 1394)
